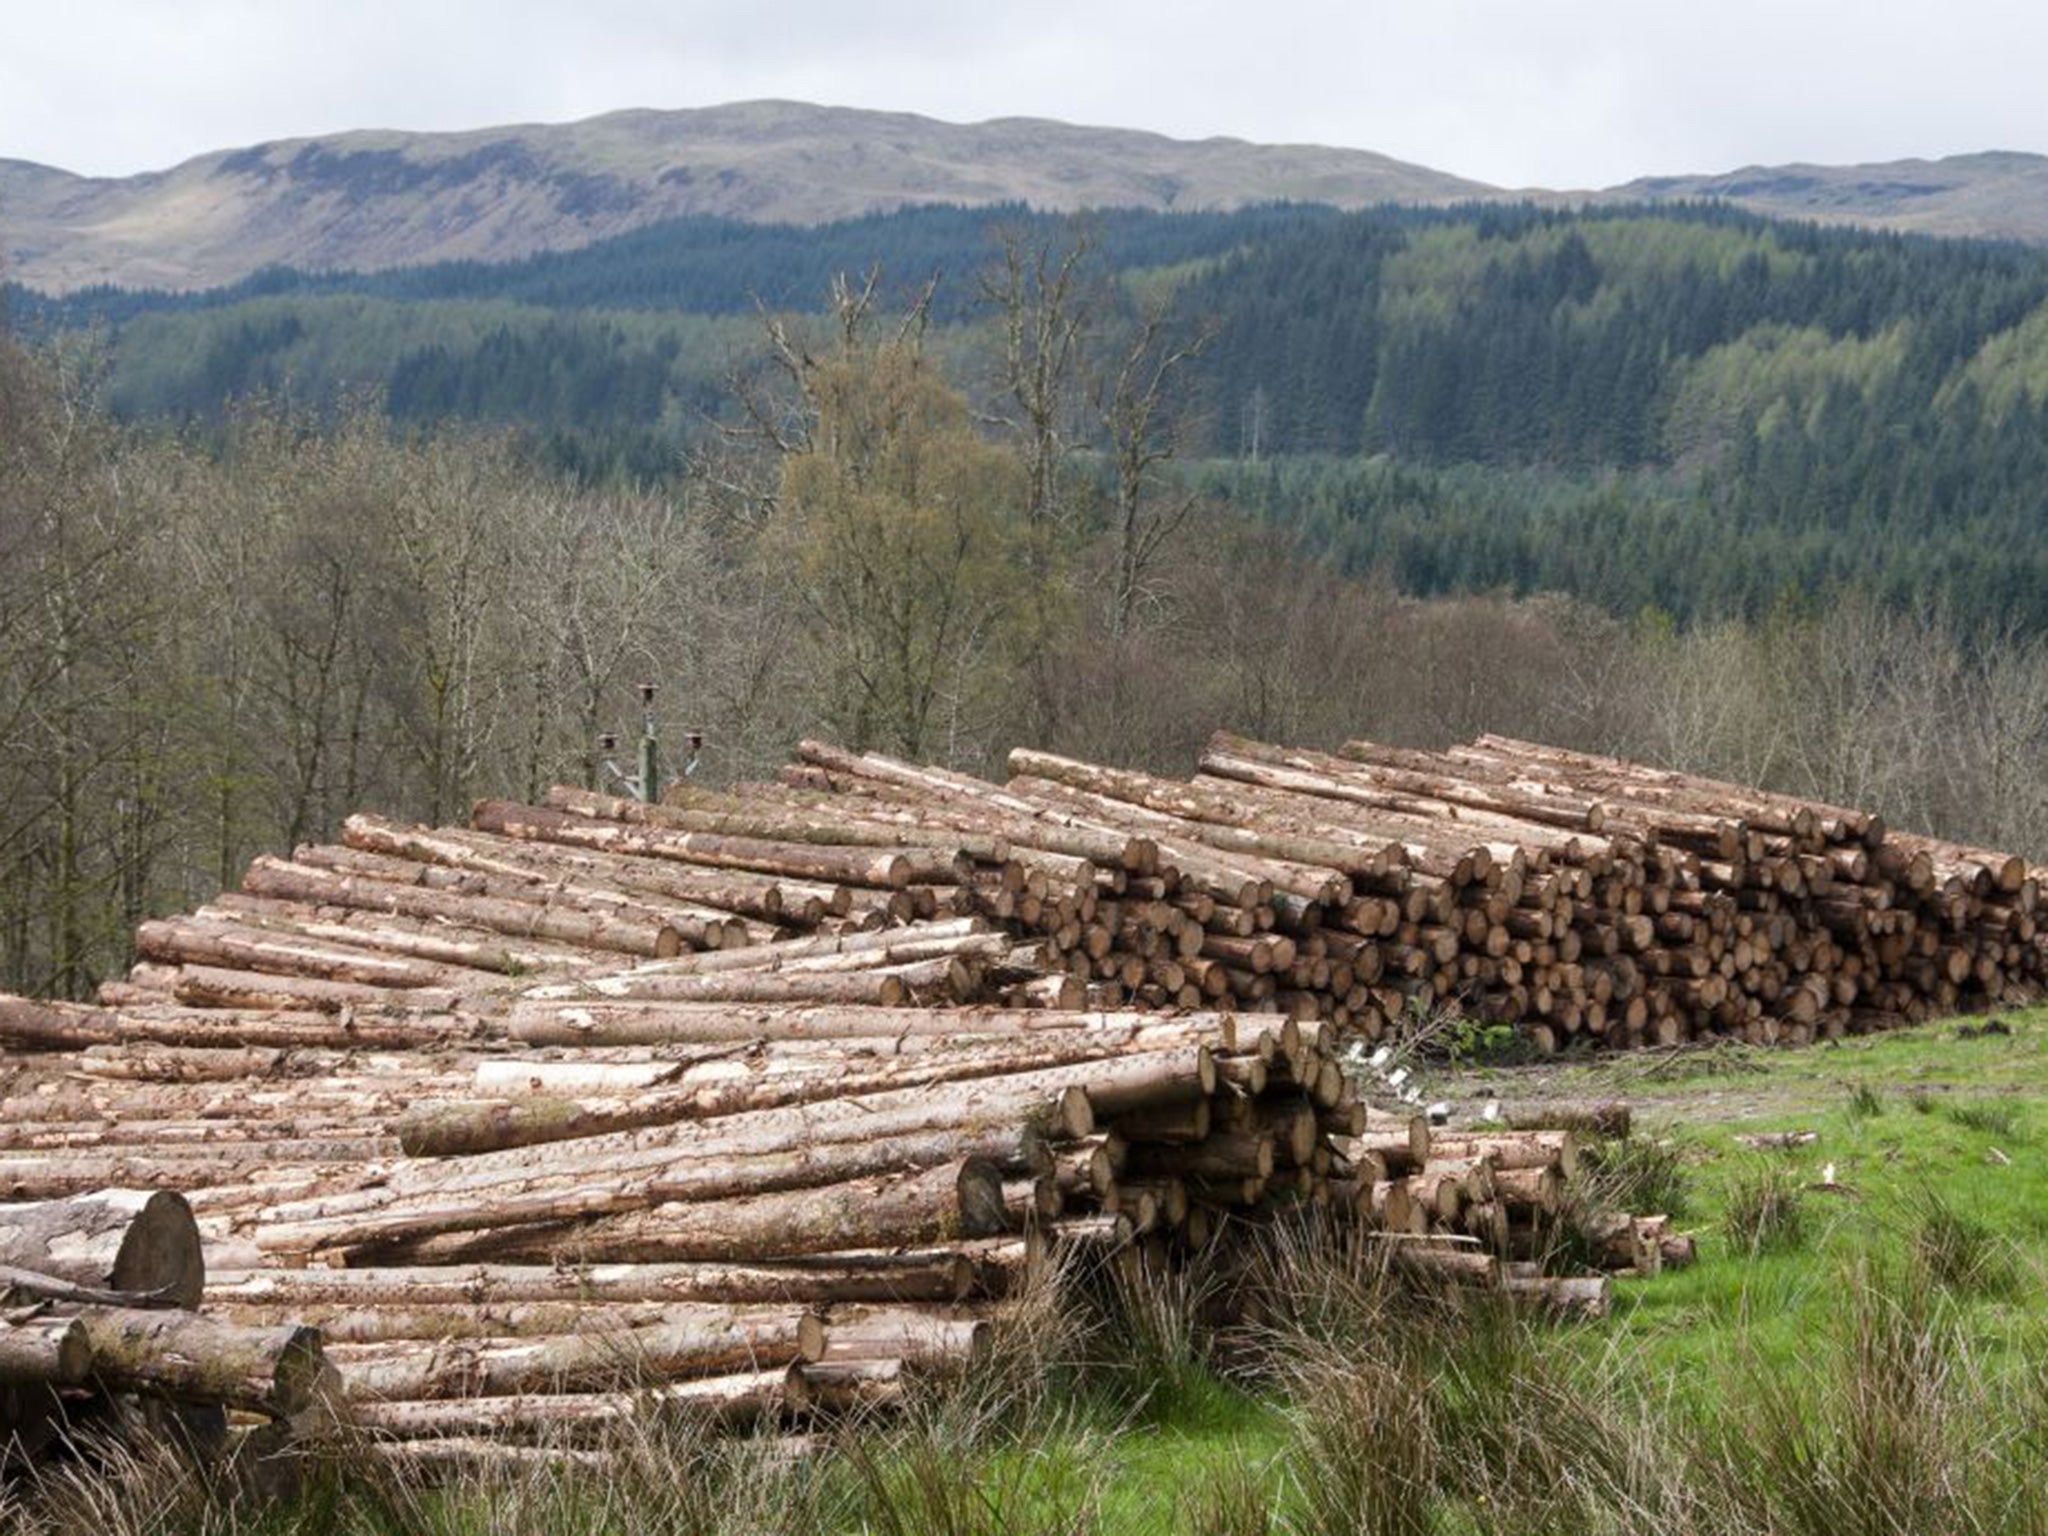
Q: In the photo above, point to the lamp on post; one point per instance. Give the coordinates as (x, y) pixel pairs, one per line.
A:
(646, 784)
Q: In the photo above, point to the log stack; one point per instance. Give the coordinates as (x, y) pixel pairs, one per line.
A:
(763, 1100)
(1581, 899)
(1505, 1210)
(562, 1214)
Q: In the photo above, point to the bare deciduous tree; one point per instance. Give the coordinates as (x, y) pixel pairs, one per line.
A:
(1143, 418)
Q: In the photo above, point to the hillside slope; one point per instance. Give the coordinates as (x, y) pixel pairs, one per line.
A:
(372, 200)
(1996, 195)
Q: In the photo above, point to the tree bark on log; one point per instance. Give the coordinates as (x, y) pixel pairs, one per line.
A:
(940, 1275)
(583, 1361)
(520, 919)
(384, 1214)
(732, 891)
(670, 1023)
(735, 816)
(214, 986)
(445, 1127)
(27, 1026)
(194, 1359)
(189, 942)
(742, 1398)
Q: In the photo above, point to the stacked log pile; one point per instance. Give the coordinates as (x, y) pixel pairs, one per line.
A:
(1579, 898)
(559, 1215)
(458, 921)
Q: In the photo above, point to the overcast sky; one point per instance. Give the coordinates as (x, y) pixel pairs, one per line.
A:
(1565, 93)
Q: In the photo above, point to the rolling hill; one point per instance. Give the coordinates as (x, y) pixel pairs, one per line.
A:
(372, 200)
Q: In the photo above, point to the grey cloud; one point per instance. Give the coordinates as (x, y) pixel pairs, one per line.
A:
(1563, 93)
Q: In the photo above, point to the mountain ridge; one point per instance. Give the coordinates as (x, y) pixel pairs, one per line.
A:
(374, 199)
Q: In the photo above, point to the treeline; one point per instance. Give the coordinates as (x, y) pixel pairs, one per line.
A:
(215, 646)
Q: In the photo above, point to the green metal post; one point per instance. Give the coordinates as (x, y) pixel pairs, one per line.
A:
(650, 770)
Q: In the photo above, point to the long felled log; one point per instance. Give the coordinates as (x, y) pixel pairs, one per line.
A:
(484, 1324)
(459, 1201)
(218, 986)
(592, 1360)
(756, 1081)
(670, 1023)
(884, 868)
(925, 941)
(744, 1397)
(26, 1026)
(194, 942)
(427, 940)
(1055, 1100)
(551, 885)
(693, 810)
(296, 882)
(139, 1242)
(529, 863)
(42, 1351)
(955, 1200)
(876, 988)
(937, 1274)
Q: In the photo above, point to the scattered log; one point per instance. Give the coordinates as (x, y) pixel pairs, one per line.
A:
(273, 1371)
(139, 1242)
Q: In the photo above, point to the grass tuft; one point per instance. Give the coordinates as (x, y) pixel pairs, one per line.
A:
(1644, 1174)
(1232, 1497)
(1865, 1103)
(1149, 1347)
(1766, 1210)
(1957, 1252)
(1988, 1117)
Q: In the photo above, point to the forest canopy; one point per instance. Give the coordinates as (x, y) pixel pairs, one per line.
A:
(1692, 409)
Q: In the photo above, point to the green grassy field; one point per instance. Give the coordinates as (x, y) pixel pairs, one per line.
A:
(1861, 1348)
